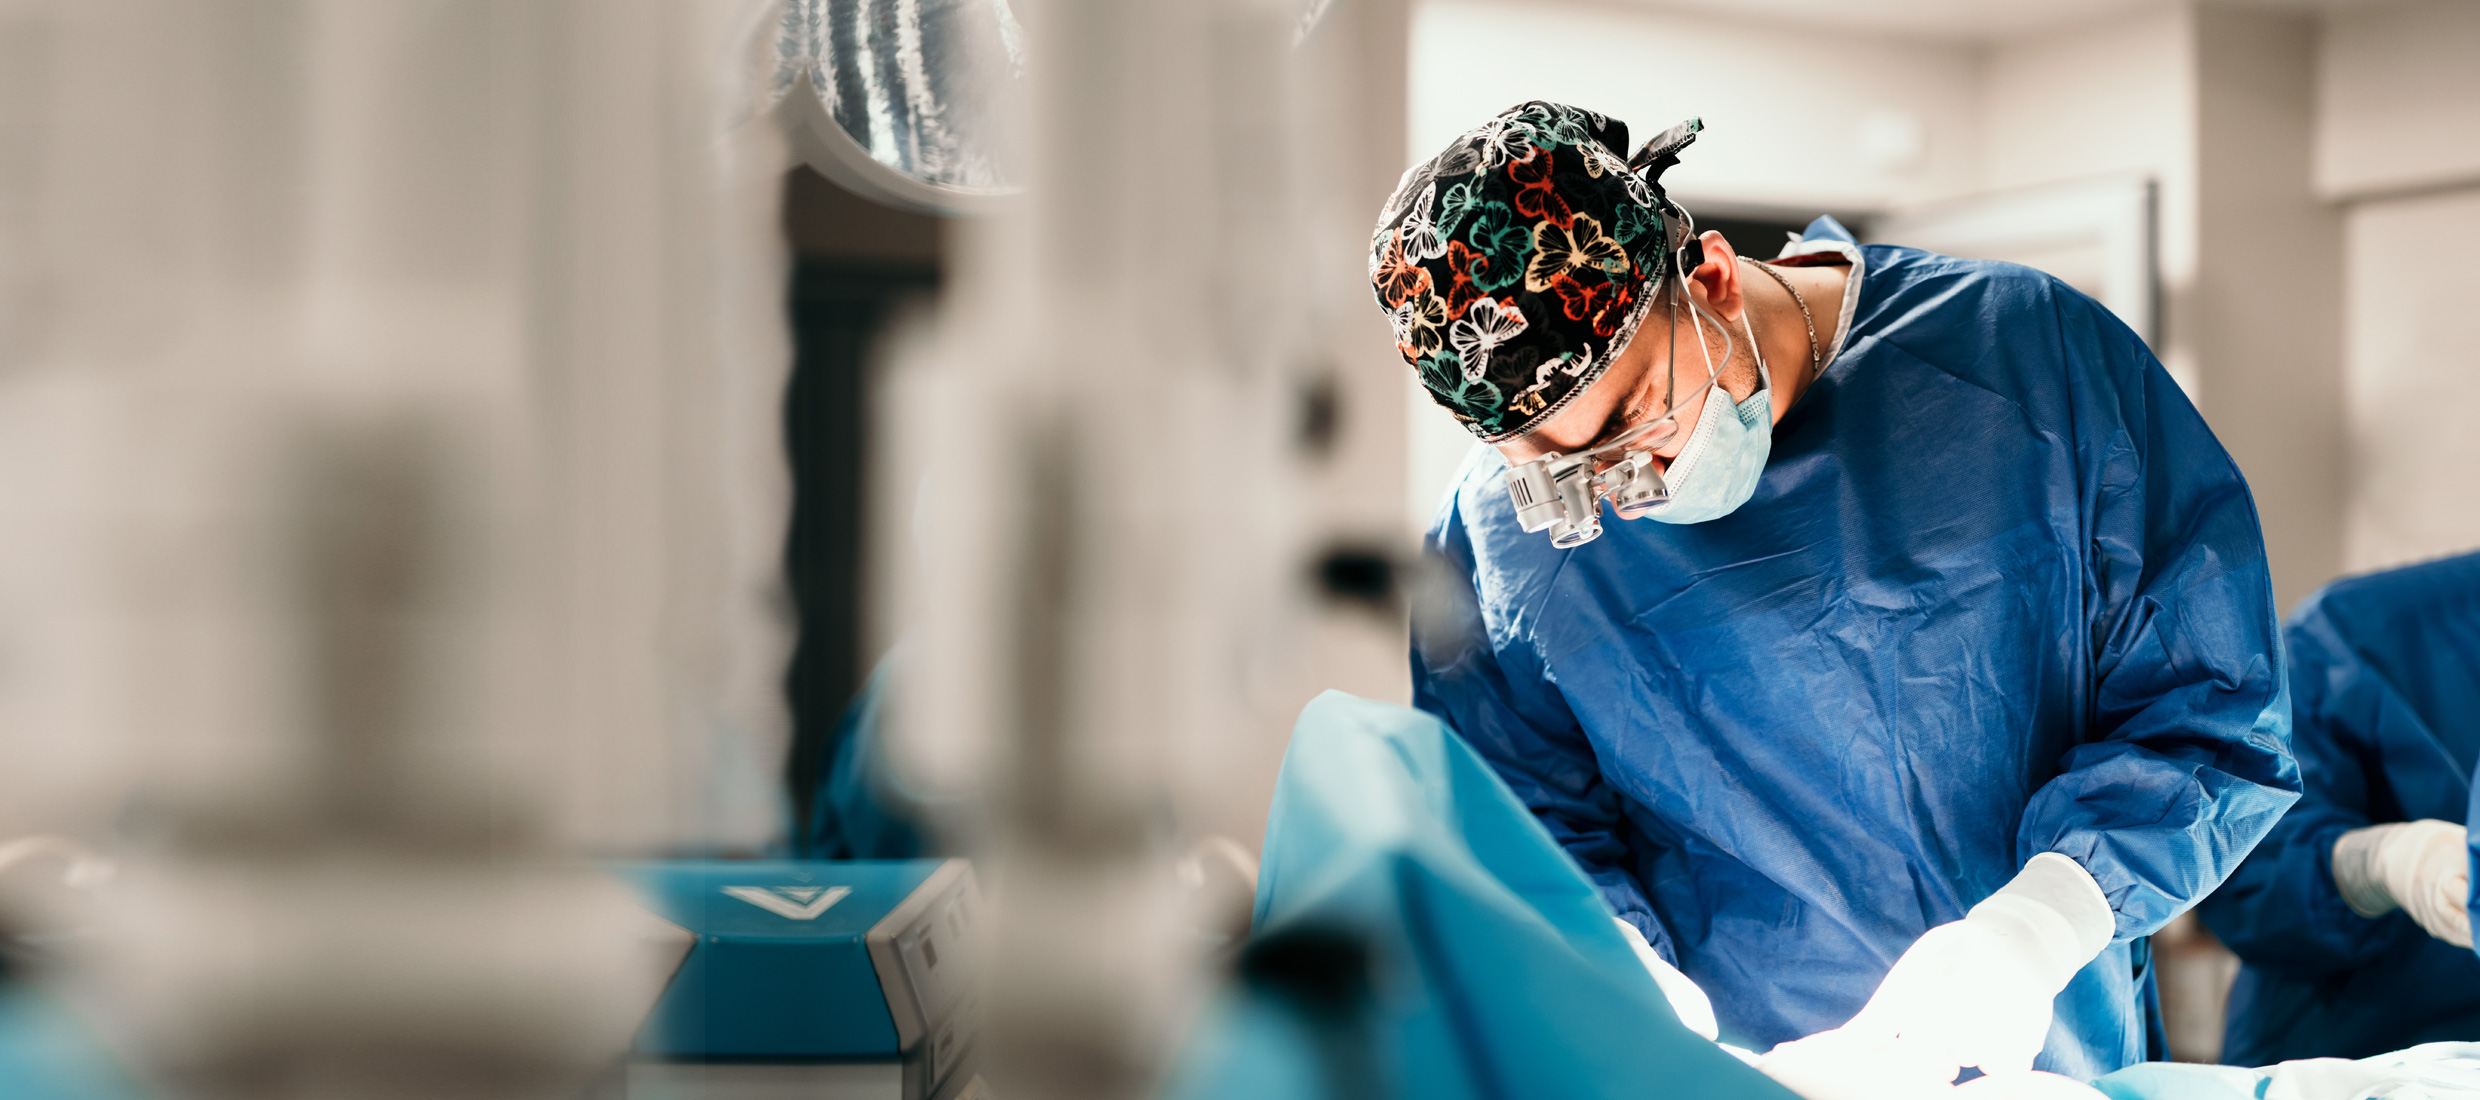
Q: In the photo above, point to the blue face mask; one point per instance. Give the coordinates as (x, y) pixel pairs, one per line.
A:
(1718, 469)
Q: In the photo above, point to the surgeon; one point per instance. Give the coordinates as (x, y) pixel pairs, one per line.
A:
(2351, 918)
(1882, 632)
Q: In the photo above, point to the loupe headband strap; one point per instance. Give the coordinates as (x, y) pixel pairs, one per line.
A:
(1661, 151)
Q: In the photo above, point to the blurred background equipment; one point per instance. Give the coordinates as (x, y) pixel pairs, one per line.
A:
(1101, 506)
(913, 105)
(832, 981)
(859, 271)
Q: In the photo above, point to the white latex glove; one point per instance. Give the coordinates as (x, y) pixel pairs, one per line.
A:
(1846, 1065)
(1849, 1064)
(2422, 866)
(2032, 1085)
(1687, 999)
(1977, 992)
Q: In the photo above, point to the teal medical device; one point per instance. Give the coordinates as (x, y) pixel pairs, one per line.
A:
(830, 978)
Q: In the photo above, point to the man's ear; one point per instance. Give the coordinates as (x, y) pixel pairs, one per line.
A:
(1717, 279)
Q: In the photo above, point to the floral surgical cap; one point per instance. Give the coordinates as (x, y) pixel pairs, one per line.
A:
(1517, 263)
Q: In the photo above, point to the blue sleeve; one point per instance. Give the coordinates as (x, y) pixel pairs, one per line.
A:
(1528, 737)
(2184, 763)
(2281, 910)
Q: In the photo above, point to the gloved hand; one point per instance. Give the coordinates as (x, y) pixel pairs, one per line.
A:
(1841, 1065)
(1848, 1064)
(1687, 999)
(1977, 992)
(2418, 865)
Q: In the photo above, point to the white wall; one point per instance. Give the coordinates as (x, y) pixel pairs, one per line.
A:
(2398, 142)
(2214, 103)
(1793, 119)
(2102, 99)
(2262, 315)
(2412, 381)
(2398, 101)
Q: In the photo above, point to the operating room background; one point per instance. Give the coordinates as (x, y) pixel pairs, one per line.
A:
(422, 421)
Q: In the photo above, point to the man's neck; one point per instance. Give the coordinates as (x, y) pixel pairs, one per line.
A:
(1783, 334)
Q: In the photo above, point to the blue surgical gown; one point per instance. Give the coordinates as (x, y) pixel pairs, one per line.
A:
(2385, 683)
(1999, 592)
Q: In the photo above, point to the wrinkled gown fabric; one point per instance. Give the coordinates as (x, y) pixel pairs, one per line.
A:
(2385, 690)
(1999, 592)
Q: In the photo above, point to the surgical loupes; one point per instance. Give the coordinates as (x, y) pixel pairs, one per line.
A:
(1563, 492)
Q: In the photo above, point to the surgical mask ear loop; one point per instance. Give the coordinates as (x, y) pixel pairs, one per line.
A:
(1670, 363)
(1713, 374)
(1765, 376)
(1697, 315)
(1689, 256)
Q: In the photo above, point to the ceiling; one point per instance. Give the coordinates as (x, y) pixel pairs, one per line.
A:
(1948, 19)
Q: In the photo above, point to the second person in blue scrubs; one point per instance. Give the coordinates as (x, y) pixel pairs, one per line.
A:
(2385, 681)
(1955, 606)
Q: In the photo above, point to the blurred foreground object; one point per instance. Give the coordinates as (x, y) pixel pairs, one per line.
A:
(1122, 441)
(387, 451)
(364, 930)
(845, 980)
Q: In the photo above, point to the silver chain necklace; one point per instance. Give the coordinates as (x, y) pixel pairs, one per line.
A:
(1815, 365)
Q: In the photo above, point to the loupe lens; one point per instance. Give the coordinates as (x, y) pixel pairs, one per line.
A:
(1569, 533)
(1644, 490)
(1583, 522)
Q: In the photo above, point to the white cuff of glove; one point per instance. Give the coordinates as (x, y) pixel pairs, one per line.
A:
(2057, 911)
(2421, 866)
(1687, 999)
(1978, 991)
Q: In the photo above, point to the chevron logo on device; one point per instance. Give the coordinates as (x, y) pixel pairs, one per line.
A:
(791, 902)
